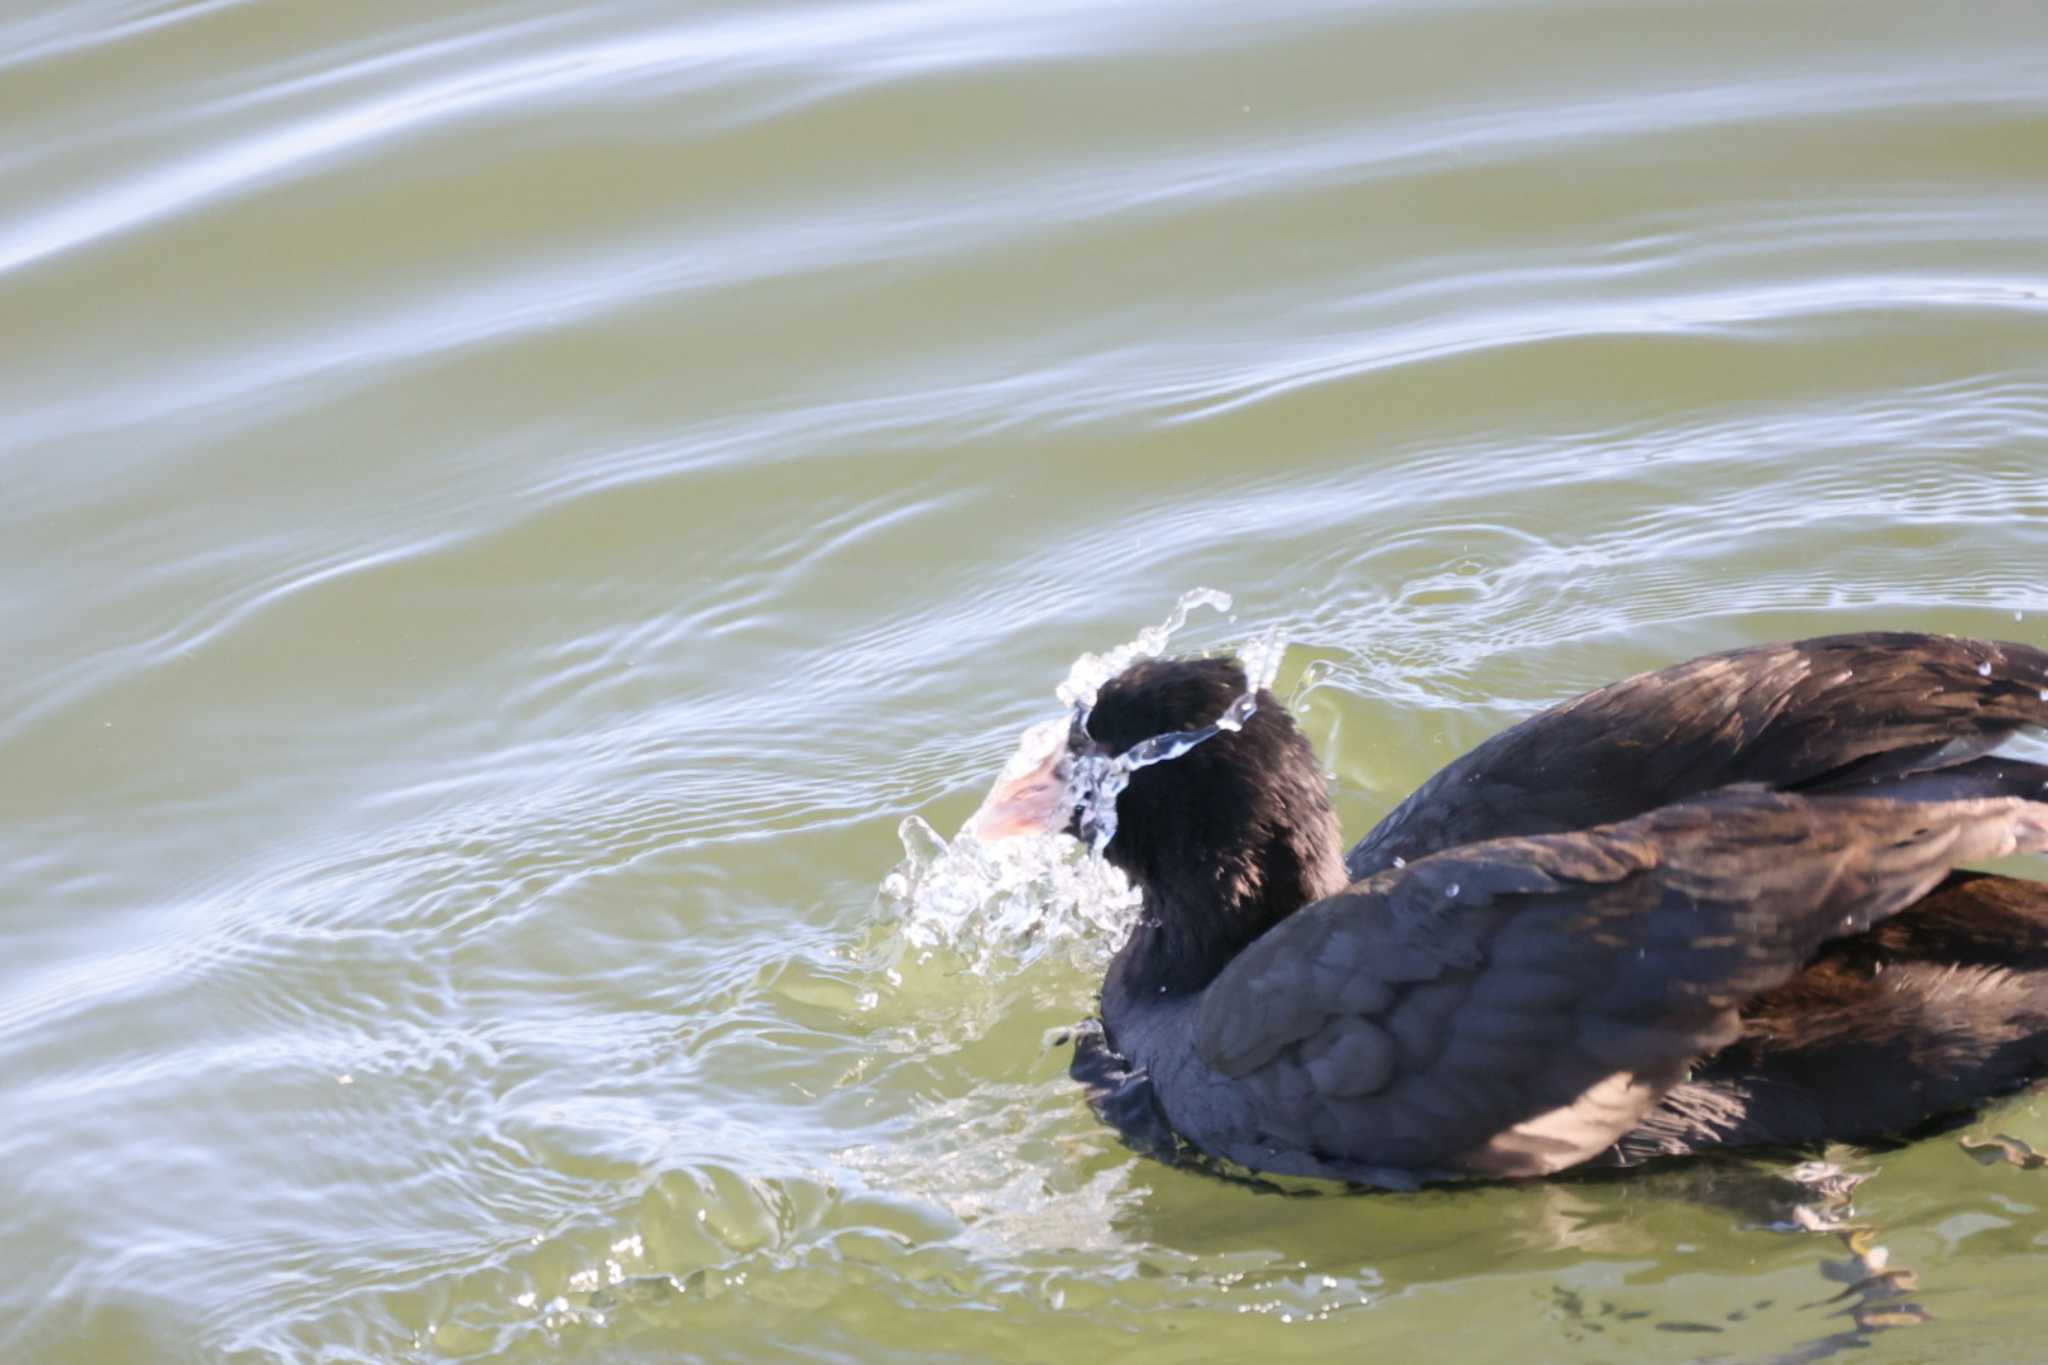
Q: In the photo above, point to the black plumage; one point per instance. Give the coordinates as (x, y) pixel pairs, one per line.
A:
(1712, 905)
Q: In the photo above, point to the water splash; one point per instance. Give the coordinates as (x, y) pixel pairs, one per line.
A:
(1013, 901)
(1101, 778)
(1008, 903)
(1091, 671)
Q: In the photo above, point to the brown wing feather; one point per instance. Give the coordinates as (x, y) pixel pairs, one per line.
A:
(1827, 712)
(1927, 1015)
(1514, 1006)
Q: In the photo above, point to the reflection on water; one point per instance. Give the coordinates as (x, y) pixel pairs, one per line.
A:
(509, 511)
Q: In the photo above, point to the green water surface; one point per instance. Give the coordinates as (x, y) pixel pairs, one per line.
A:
(505, 506)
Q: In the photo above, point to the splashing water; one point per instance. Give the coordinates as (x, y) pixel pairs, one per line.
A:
(1101, 778)
(1091, 671)
(1008, 903)
(1013, 901)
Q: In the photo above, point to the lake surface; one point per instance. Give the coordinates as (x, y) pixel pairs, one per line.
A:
(508, 507)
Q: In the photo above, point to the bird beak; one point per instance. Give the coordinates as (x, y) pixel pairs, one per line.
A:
(1033, 795)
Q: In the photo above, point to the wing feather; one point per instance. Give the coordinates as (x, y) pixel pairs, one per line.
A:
(1822, 714)
(1529, 1017)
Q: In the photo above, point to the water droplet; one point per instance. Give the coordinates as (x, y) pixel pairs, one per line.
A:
(1262, 658)
(1000, 905)
(1984, 669)
(1091, 671)
(1451, 891)
(921, 843)
(994, 903)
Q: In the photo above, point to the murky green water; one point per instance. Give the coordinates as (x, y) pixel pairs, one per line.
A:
(508, 505)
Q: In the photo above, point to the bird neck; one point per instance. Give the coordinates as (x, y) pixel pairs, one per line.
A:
(1194, 920)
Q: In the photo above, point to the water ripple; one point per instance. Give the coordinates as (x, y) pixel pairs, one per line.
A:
(508, 510)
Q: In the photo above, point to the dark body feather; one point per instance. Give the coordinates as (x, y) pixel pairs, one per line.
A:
(1811, 714)
(1713, 905)
(1911, 1024)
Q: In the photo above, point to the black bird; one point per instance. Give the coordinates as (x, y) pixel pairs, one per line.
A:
(1710, 906)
